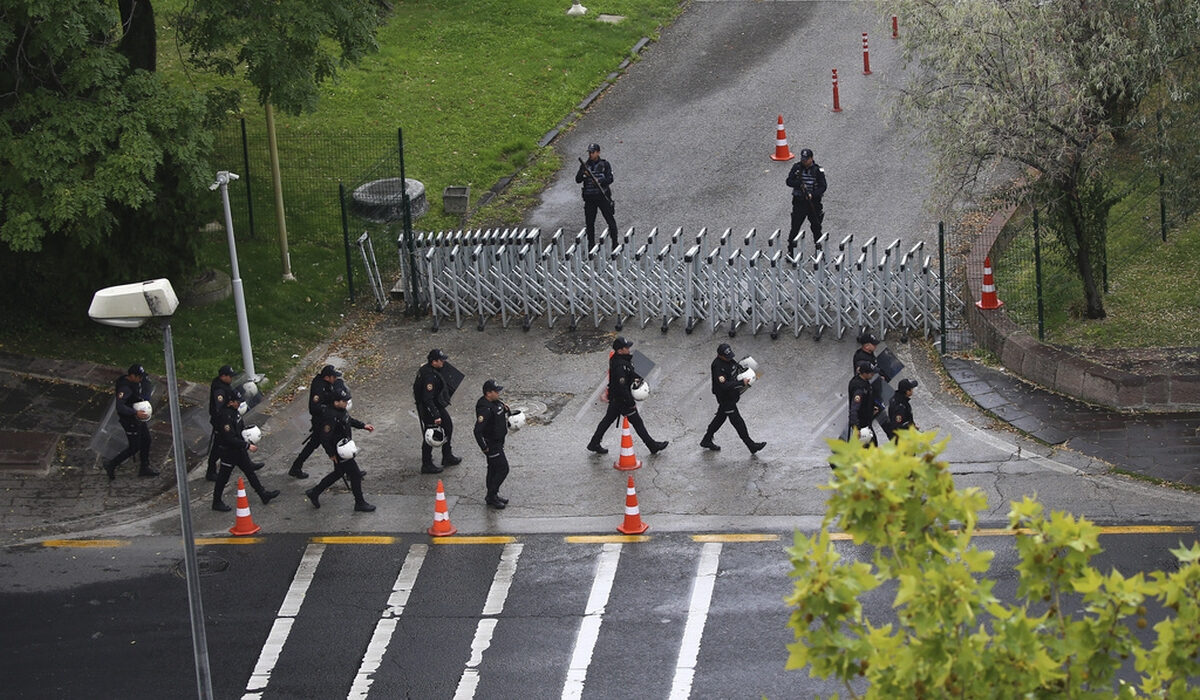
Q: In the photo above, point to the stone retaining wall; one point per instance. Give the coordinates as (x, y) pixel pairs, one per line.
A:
(1059, 370)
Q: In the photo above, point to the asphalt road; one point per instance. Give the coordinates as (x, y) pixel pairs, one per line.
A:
(539, 616)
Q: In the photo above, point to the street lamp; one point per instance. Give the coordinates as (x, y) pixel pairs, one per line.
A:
(130, 306)
(224, 177)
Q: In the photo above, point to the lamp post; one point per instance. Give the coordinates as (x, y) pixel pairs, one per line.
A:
(224, 177)
(130, 306)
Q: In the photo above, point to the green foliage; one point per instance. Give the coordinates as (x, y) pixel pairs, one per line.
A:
(952, 636)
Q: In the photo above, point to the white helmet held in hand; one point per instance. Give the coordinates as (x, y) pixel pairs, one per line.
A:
(865, 435)
(640, 390)
(144, 407)
(346, 449)
(747, 376)
(242, 408)
(516, 420)
(435, 436)
(749, 363)
(252, 434)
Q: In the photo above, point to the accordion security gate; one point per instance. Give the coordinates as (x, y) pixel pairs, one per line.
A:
(735, 283)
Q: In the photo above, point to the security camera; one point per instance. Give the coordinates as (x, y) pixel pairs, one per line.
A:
(131, 305)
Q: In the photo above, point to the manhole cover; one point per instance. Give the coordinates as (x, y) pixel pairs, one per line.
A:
(540, 409)
(581, 341)
(206, 565)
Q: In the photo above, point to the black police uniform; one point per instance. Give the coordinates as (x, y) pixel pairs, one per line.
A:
(336, 425)
(728, 390)
(320, 393)
(218, 391)
(900, 413)
(233, 451)
(432, 397)
(137, 433)
(808, 187)
(862, 404)
(491, 427)
(596, 176)
(621, 376)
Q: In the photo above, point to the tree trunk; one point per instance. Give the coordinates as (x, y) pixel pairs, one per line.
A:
(139, 43)
(1084, 263)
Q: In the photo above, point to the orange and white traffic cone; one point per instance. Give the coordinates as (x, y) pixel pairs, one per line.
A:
(989, 299)
(781, 146)
(628, 461)
(633, 524)
(441, 516)
(244, 525)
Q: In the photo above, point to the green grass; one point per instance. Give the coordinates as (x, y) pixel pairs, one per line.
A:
(473, 85)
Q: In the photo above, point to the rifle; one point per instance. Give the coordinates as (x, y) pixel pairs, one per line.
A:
(583, 166)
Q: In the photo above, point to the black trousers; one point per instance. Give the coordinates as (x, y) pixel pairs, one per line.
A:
(589, 216)
(138, 435)
(731, 413)
(427, 449)
(226, 470)
(497, 472)
(349, 469)
(802, 209)
(614, 412)
(212, 453)
(311, 443)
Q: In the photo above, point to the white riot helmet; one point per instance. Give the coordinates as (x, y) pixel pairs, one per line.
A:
(865, 435)
(749, 363)
(516, 420)
(243, 407)
(747, 376)
(346, 449)
(640, 390)
(435, 436)
(252, 434)
(144, 407)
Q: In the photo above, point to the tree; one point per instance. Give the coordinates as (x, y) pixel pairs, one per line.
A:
(1049, 86)
(952, 636)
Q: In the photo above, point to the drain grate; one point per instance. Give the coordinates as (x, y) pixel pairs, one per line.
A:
(206, 565)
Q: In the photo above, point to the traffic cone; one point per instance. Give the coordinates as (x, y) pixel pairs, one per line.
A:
(441, 517)
(628, 461)
(633, 524)
(989, 299)
(244, 525)
(781, 145)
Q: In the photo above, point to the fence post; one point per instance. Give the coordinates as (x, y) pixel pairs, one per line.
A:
(1162, 197)
(942, 279)
(346, 239)
(1037, 272)
(414, 303)
(246, 176)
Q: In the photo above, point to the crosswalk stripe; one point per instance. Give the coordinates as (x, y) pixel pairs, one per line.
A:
(382, 637)
(493, 606)
(593, 615)
(693, 629)
(283, 622)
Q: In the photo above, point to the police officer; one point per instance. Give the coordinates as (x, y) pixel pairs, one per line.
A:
(218, 389)
(491, 426)
(320, 396)
(595, 174)
(862, 402)
(233, 450)
(337, 425)
(867, 343)
(129, 389)
(432, 396)
(621, 378)
(807, 180)
(900, 414)
(728, 389)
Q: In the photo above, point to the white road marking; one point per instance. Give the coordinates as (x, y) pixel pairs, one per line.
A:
(405, 580)
(493, 606)
(269, 655)
(689, 648)
(593, 615)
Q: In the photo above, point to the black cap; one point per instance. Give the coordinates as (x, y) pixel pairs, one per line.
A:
(593, 148)
(724, 350)
(341, 392)
(906, 384)
(491, 385)
(330, 371)
(437, 354)
(622, 342)
(865, 366)
(226, 371)
(805, 153)
(867, 337)
(137, 369)
(236, 395)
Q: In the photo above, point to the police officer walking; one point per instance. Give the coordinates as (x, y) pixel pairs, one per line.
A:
(728, 390)
(491, 427)
(233, 450)
(900, 413)
(336, 432)
(218, 389)
(862, 401)
(807, 180)
(131, 388)
(320, 396)
(432, 396)
(596, 175)
(621, 380)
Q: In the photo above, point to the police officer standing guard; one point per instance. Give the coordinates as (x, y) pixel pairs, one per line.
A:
(233, 450)
(595, 174)
(807, 180)
(728, 389)
(433, 396)
(336, 433)
(862, 401)
(130, 389)
(320, 396)
(621, 378)
(491, 426)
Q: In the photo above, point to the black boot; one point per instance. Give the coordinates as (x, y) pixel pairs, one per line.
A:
(450, 460)
(147, 471)
(597, 448)
(709, 444)
(364, 507)
(297, 472)
(755, 446)
(656, 447)
(431, 468)
(266, 496)
(221, 506)
(110, 469)
(495, 502)
(314, 497)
